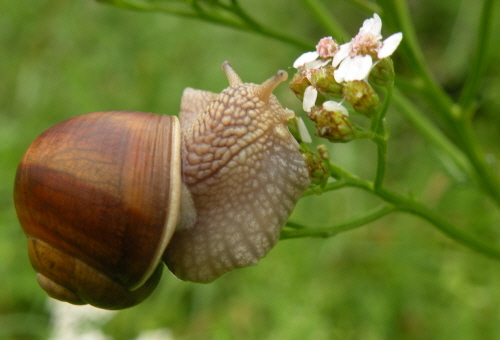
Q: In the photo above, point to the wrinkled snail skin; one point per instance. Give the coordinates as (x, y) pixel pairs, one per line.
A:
(245, 174)
(105, 197)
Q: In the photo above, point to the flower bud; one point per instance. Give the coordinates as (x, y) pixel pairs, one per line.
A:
(324, 81)
(333, 123)
(318, 172)
(323, 152)
(327, 47)
(299, 83)
(383, 73)
(362, 97)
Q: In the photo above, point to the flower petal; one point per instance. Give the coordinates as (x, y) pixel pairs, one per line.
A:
(304, 133)
(357, 68)
(309, 100)
(341, 54)
(389, 45)
(305, 58)
(335, 107)
(315, 64)
(372, 26)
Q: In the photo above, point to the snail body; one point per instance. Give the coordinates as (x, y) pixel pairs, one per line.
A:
(105, 197)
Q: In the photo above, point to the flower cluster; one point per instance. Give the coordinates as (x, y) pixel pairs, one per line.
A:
(342, 71)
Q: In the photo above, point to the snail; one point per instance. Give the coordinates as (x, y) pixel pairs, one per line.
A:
(105, 197)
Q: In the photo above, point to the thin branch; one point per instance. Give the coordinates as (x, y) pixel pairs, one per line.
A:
(437, 97)
(325, 19)
(478, 64)
(433, 135)
(437, 220)
(328, 187)
(243, 22)
(338, 228)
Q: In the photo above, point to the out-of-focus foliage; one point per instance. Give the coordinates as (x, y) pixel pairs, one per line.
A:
(395, 278)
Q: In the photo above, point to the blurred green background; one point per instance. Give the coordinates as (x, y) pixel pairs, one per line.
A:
(397, 278)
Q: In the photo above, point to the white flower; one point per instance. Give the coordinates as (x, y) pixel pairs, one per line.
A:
(303, 132)
(305, 58)
(342, 53)
(310, 95)
(77, 322)
(325, 50)
(333, 106)
(351, 69)
(356, 58)
(389, 45)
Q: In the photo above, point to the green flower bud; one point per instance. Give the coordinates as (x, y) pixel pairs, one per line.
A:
(318, 171)
(324, 81)
(323, 152)
(333, 124)
(362, 97)
(383, 73)
(299, 83)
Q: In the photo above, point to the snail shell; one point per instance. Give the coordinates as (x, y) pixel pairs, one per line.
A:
(97, 195)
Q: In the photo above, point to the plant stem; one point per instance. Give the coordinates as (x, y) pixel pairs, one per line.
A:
(478, 63)
(469, 158)
(368, 6)
(328, 187)
(456, 120)
(489, 182)
(414, 207)
(381, 163)
(430, 132)
(325, 19)
(414, 56)
(380, 139)
(243, 24)
(396, 202)
(294, 225)
(338, 228)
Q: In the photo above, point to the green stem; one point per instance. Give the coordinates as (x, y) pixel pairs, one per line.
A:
(456, 120)
(139, 5)
(368, 6)
(243, 23)
(328, 187)
(489, 182)
(377, 123)
(397, 202)
(471, 161)
(294, 225)
(414, 207)
(325, 19)
(433, 135)
(338, 228)
(478, 63)
(254, 26)
(381, 163)
(400, 16)
(267, 32)
(348, 179)
(380, 140)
